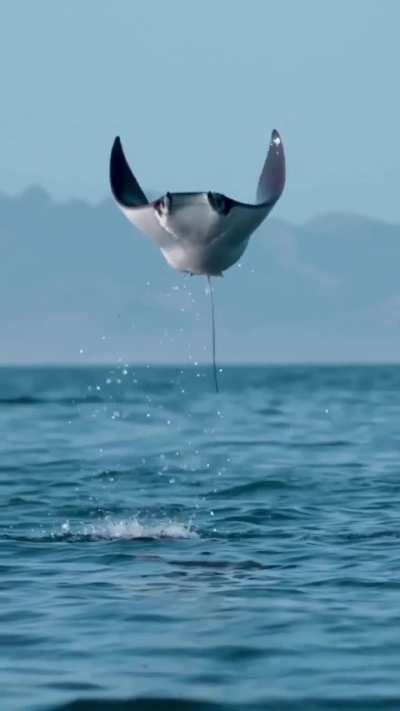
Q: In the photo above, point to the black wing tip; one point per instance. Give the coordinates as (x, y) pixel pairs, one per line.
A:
(124, 186)
(116, 146)
(117, 170)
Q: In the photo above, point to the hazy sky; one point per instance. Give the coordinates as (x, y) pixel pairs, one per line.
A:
(194, 89)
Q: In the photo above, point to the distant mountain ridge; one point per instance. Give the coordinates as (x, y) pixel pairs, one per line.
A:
(78, 284)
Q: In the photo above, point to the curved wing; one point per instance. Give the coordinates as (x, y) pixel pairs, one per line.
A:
(124, 185)
(131, 198)
(244, 218)
(272, 178)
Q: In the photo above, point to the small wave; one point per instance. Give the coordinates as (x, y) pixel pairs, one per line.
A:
(253, 487)
(124, 529)
(374, 702)
(316, 445)
(30, 400)
(146, 704)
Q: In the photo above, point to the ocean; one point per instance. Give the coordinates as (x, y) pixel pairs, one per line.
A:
(165, 547)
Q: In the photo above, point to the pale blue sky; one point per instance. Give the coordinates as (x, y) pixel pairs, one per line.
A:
(194, 89)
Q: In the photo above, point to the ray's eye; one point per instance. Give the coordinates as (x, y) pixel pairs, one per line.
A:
(219, 203)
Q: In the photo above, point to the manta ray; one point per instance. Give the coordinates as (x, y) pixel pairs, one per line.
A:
(201, 233)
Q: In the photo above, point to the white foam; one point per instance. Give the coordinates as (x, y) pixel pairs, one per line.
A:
(114, 529)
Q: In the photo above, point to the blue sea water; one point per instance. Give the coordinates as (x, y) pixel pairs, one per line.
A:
(164, 547)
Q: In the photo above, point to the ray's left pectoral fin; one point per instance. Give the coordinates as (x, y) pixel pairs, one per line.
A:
(124, 185)
(132, 200)
(272, 178)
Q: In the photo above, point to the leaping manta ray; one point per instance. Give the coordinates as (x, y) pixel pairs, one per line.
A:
(204, 232)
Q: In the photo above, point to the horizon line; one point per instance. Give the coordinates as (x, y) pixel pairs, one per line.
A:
(235, 364)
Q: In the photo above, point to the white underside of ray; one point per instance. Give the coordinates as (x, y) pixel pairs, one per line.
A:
(194, 234)
(195, 238)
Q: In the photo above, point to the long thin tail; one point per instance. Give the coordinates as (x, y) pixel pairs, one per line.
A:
(213, 333)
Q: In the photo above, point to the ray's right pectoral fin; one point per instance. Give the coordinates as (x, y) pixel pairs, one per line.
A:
(245, 218)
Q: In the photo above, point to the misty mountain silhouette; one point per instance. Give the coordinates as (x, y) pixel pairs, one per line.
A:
(79, 284)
